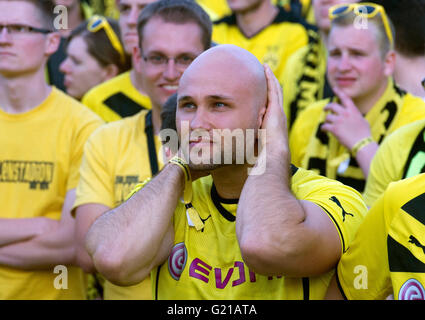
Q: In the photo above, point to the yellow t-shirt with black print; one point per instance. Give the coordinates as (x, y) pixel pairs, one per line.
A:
(116, 158)
(273, 44)
(207, 264)
(311, 148)
(116, 98)
(387, 255)
(40, 157)
(400, 156)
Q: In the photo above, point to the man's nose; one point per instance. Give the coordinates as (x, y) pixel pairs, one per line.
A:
(132, 18)
(171, 71)
(344, 62)
(5, 36)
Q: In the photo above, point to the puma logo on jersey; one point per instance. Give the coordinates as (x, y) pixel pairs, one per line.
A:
(416, 242)
(203, 221)
(344, 213)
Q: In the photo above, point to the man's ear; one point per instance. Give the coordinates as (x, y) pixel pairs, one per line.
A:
(136, 57)
(390, 59)
(111, 71)
(53, 42)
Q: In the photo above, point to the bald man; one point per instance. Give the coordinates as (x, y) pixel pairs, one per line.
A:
(206, 226)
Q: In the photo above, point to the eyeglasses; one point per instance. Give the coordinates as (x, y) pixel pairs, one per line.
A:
(158, 60)
(366, 9)
(17, 29)
(98, 22)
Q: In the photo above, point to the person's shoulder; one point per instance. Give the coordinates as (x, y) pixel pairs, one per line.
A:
(405, 191)
(127, 126)
(227, 20)
(73, 109)
(289, 16)
(311, 114)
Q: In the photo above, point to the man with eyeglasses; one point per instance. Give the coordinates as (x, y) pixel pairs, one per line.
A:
(124, 95)
(172, 33)
(338, 137)
(42, 134)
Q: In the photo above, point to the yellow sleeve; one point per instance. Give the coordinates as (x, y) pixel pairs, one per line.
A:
(87, 122)
(363, 271)
(344, 205)
(96, 184)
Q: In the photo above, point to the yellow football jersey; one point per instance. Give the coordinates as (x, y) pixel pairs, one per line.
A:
(207, 264)
(116, 158)
(314, 149)
(387, 255)
(40, 157)
(116, 98)
(273, 44)
(400, 156)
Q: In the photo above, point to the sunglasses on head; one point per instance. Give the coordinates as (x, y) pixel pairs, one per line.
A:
(98, 22)
(366, 9)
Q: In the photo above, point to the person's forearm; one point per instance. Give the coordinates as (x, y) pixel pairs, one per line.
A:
(42, 252)
(16, 230)
(364, 157)
(128, 241)
(268, 216)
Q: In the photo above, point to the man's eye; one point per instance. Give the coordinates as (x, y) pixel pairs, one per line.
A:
(156, 59)
(188, 106)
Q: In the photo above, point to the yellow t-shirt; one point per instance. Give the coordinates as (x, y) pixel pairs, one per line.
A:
(314, 149)
(207, 264)
(118, 156)
(116, 98)
(304, 77)
(40, 157)
(400, 156)
(273, 45)
(387, 255)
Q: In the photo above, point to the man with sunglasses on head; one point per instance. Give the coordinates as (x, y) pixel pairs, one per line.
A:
(172, 33)
(43, 132)
(304, 77)
(124, 95)
(338, 137)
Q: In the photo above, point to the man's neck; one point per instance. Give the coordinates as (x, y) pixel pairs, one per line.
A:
(22, 94)
(409, 73)
(366, 103)
(229, 180)
(252, 21)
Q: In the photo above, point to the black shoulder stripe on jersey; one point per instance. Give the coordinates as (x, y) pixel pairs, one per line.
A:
(229, 20)
(153, 160)
(415, 208)
(217, 200)
(306, 288)
(337, 226)
(400, 259)
(338, 283)
(123, 105)
(157, 282)
(294, 169)
(418, 146)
